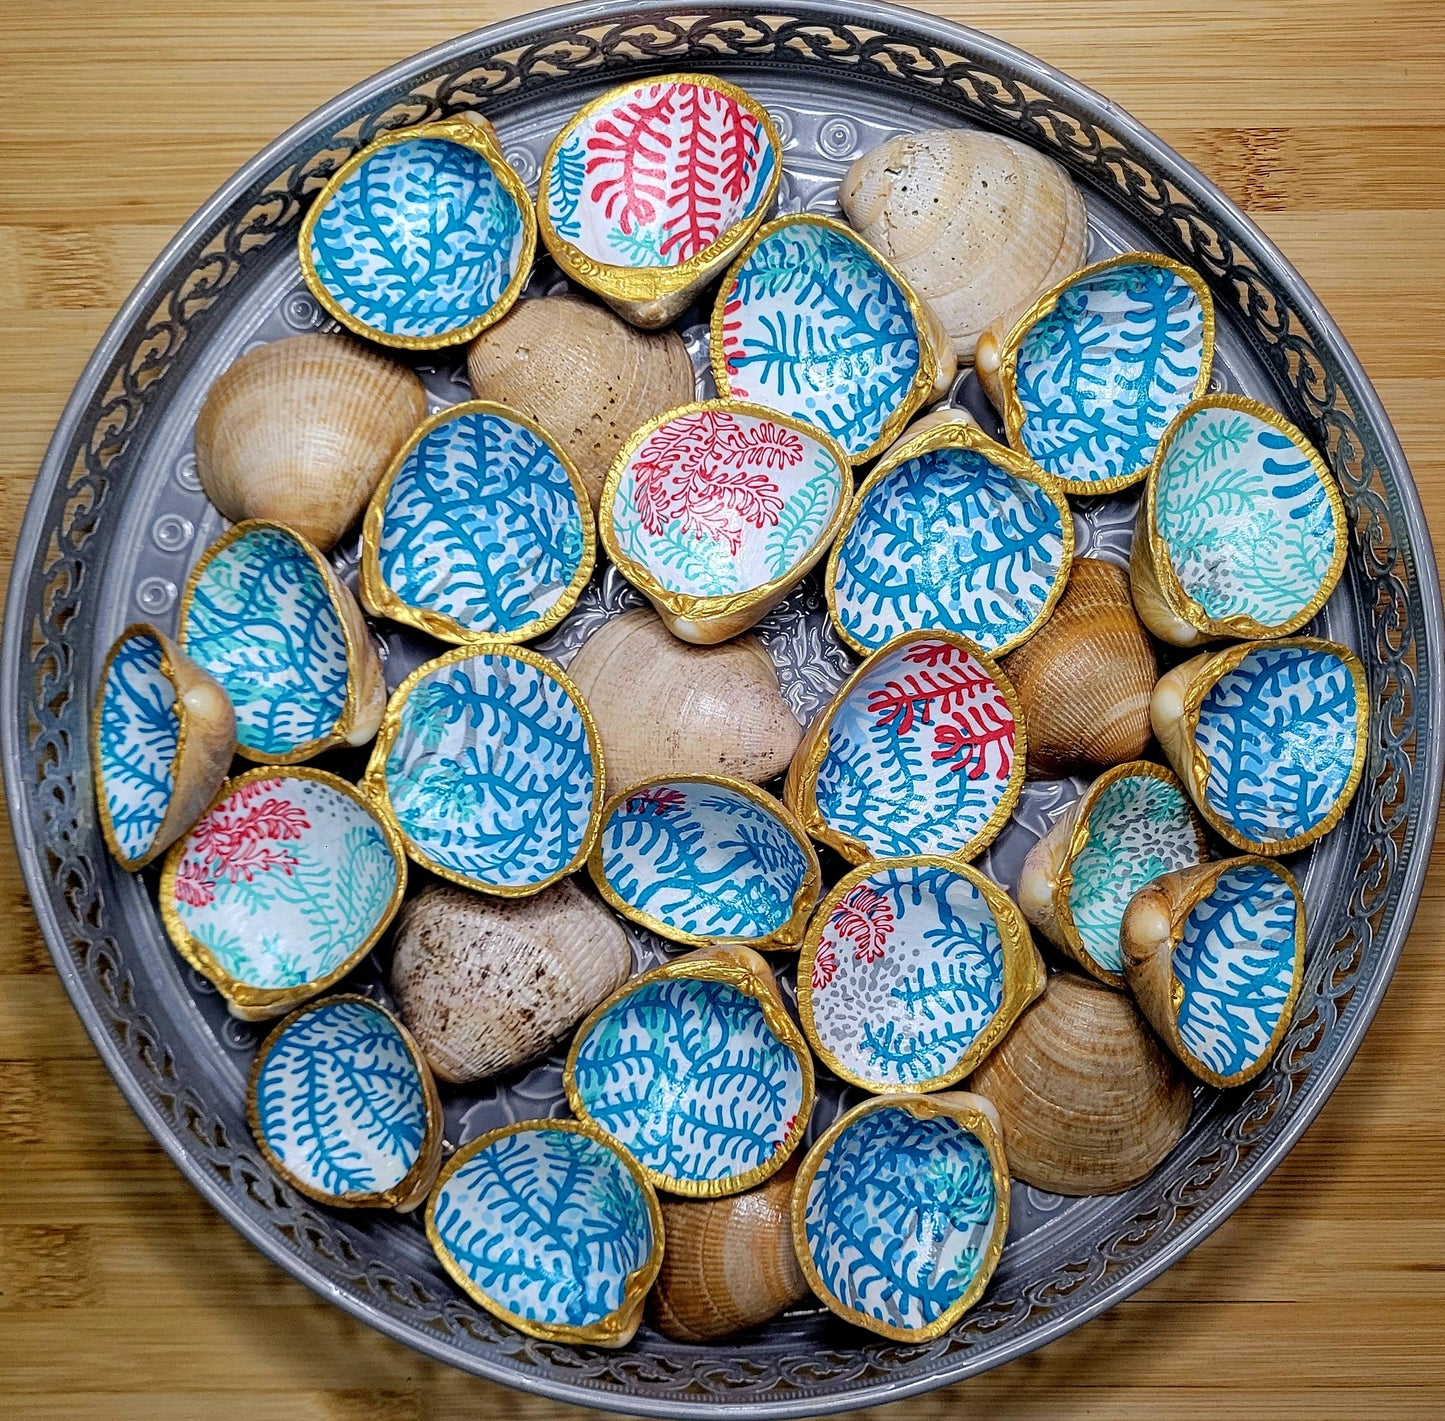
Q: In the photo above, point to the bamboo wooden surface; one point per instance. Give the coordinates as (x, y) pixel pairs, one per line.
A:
(123, 1296)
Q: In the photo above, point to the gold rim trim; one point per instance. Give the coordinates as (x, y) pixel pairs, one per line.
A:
(373, 782)
(614, 1330)
(1225, 661)
(689, 606)
(1023, 972)
(740, 967)
(1013, 411)
(414, 1185)
(928, 363)
(1161, 565)
(930, 441)
(784, 938)
(652, 283)
(377, 594)
(800, 790)
(249, 1002)
(921, 1107)
(466, 135)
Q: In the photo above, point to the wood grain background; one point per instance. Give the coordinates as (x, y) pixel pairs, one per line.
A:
(123, 1296)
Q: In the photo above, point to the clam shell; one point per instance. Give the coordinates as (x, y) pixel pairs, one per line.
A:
(300, 432)
(978, 223)
(1090, 1101)
(587, 377)
(162, 736)
(709, 710)
(1084, 678)
(486, 985)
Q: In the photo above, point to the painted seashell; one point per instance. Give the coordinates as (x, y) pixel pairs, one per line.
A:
(901, 1210)
(729, 1263)
(265, 615)
(423, 238)
(344, 1109)
(487, 765)
(161, 741)
(697, 1071)
(281, 888)
(950, 532)
(1090, 1102)
(1270, 738)
(714, 710)
(300, 432)
(480, 531)
(978, 223)
(701, 858)
(648, 191)
(1133, 823)
(811, 321)
(486, 985)
(911, 973)
(1095, 370)
(584, 375)
(921, 751)
(1243, 529)
(550, 1228)
(1084, 678)
(717, 510)
(1215, 957)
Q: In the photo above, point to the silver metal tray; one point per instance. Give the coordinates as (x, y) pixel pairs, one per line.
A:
(117, 517)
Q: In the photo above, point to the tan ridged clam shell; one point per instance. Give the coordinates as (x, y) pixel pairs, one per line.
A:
(979, 224)
(585, 375)
(1085, 676)
(300, 431)
(485, 984)
(664, 707)
(1091, 1102)
(728, 1263)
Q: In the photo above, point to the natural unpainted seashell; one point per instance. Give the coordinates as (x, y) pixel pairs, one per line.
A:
(485, 984)
(1215, 957)
(1085, 676)
(1091, 1102)
(729, 1263)
(978, 223)
(300, 432)
(162, 738)
(664, 707)
(587, 377)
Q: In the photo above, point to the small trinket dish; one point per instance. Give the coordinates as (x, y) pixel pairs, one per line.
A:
(1215, 958)
(921, 752)
(912, 971)
(264, 614)
(281, 888)
(488, 766)
(952, 532)
(161, 740)
(551, 1228)
(901, 1210)
(479, 531)
(813, 322)
(1133, 823)
(1243, 530)
(1095, 370)
(697, 1071)
(423, 238)
(650, 189)
(1269, 738)
(344, 1108)
(716, 510)
(699, 858)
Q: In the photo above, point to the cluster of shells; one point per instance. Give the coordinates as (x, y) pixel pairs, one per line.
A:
(1081, 1076)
